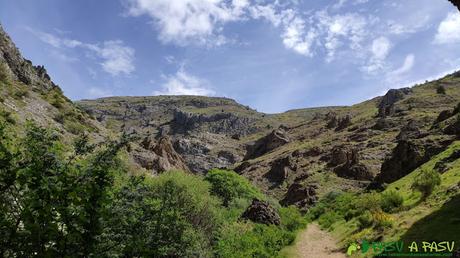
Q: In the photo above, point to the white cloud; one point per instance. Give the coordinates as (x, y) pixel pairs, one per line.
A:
(379, 50)
(99, 93)
(381, 47)
(189, 21)
(116, 57)
(408, 64)
(183, 83)
(449, 30)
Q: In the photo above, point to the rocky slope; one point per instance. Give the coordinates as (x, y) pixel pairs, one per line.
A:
(301, 154)
(296, 156)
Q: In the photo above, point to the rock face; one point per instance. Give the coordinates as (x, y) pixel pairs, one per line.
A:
(386, 105)
(261, 212)
(408, 155)
(160, 157)
(281, 169)
(266, 144)
(347, 164)
(220, 123)
(409, 131)
(443, 165)
(302, 196)
(22, 69)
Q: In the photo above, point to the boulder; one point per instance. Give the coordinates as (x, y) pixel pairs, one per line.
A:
(444, 115)
(386, 105)
(383, 124)
(267, 143)
(343, 122)
(302, 196)
(442, 165)
(453, 128)
(261, 212)
(343, 154)
(281, 169)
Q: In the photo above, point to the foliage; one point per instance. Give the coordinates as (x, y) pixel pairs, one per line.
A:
(441, 90)
(246, 240)
(426, 182)
(391, 201)
(228, 185)
(4, 76)
(170, 216)
(52, 204)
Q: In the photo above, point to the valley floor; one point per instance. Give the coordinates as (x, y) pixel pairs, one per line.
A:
(314, 242)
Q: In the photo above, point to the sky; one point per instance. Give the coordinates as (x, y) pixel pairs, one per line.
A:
(272, 55)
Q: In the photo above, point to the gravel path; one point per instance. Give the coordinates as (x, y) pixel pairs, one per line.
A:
(316, 243)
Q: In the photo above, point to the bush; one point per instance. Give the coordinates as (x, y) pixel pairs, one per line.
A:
(391, 201)
(247, 240)
(172, 215)
(328, 219)
(292, 219)
(441, 90)
(426, 182)
(365, 220)
(4, 76)
(20, 93)
(228, 186)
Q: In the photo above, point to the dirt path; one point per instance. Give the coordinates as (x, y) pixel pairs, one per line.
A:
(315, 243)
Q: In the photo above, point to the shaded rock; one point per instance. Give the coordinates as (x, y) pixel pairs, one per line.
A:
(453, 128)
(383, 124)
(444, 115)
(343, 154)
(332, 120)
(409, 131)
(408, 155)
(267, 143)
(442, 165)
(261, 212)
(312, 152)
(356, 171)
(281, 169)
(343, 122)
(302, 196)
(386, 105)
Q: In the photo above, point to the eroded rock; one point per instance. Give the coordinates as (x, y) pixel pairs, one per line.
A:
(261, 212)
(386, 105)
(302, 196)
(275, 139)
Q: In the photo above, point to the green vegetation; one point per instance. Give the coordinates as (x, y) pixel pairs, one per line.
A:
(425, 182)
(229, 186)
(78, 201)
(441, 89)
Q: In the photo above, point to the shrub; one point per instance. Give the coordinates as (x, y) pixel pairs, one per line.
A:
(426, 182)
(291, 218)
(327, 219)
(172, 215)
(391, 201)
(441, 90)
(247, 240)
(365, 220)
(20, 93)
(4, 76)
(228, 186)
(382, 220)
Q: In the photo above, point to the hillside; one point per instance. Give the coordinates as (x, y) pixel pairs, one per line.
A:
(338, 165)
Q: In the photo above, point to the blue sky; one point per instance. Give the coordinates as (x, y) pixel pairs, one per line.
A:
(270, 54)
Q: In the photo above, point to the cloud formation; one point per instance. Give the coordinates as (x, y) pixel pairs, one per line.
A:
(183, 83)
(115, 57)
(189, 21)
(449, 30)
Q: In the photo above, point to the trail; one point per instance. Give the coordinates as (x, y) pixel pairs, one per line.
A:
(315, 243)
